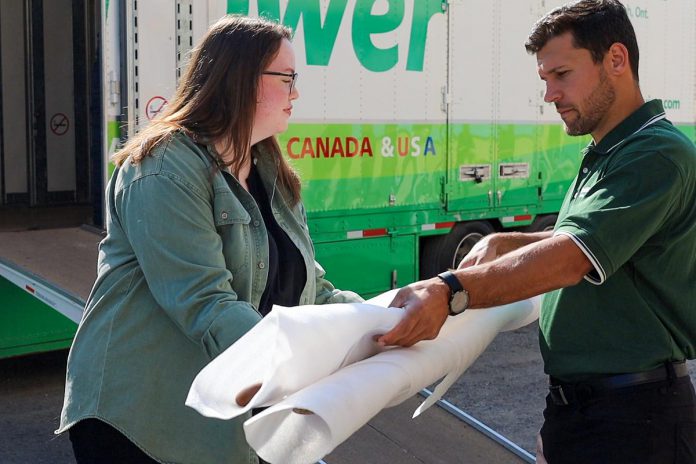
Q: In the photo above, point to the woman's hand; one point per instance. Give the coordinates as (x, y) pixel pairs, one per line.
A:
(244, 396)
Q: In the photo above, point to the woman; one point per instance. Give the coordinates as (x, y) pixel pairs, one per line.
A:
(205, 232)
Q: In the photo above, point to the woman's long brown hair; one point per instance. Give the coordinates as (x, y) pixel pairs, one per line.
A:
(216, 97)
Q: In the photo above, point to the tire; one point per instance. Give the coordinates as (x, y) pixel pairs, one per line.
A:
(446, 251)
(542, 222)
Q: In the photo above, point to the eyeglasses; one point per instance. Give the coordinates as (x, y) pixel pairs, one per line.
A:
(292, 76)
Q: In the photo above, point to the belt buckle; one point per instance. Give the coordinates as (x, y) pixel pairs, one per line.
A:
(558, 396)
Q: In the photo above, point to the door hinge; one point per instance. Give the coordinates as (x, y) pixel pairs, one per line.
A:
(443, 190)
(114, 89)
(446, 99)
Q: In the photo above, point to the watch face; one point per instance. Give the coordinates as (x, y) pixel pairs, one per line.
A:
(460, 301)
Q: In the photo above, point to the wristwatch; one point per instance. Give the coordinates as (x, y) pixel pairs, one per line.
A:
(459, 298)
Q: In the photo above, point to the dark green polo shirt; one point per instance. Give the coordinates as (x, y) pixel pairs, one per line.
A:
(632, 211)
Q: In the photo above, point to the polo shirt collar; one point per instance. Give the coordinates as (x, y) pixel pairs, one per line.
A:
(649, 113)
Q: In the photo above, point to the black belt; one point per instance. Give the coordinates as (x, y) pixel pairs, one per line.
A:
(563, 393)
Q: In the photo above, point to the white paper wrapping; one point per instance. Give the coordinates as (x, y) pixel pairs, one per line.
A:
(321, 394)
(287, 350)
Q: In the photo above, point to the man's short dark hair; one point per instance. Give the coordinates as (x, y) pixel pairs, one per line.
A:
(595, 25)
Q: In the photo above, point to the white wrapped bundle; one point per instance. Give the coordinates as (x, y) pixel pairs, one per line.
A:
(289, 349)
(310, 423)
(323, 393)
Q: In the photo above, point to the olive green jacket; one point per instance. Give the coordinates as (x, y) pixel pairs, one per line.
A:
(180, 275)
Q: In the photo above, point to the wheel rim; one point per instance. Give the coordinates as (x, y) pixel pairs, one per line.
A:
(464, 247)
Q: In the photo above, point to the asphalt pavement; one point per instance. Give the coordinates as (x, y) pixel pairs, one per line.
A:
(504, 389)
(31, 396)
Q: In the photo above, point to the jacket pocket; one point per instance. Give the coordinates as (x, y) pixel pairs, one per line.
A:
(227, 209)
(232, 223)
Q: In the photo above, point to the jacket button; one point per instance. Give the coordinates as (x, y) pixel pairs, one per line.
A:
(262, 265)
(256, 223)
(223, 215)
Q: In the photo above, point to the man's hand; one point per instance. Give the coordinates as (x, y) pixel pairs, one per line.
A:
(486, 250)
(427, 307)
(493, 246)
(483, 251)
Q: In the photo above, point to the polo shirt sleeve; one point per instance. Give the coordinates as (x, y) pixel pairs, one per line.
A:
(629, 204)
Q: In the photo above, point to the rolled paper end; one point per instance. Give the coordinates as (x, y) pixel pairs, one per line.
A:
(304, 412)
(244, 396)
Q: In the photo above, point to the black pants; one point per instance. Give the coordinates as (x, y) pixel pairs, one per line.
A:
(96, 442)
(644, 424)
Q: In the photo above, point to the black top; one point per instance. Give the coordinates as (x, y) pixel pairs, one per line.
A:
(286, 268)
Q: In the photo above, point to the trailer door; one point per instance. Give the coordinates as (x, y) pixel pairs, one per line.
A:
(44, 155)
(157, 38)
(471, 110)
(518, 103)
(494, 105)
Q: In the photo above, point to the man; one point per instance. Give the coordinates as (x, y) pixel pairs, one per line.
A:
(620, 267)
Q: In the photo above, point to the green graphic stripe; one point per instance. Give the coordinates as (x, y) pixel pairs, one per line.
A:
(346, 151)
(689, 130)
(113, 135)
(382, 167)
(330, 151)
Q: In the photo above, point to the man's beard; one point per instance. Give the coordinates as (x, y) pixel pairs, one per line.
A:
(593, 108)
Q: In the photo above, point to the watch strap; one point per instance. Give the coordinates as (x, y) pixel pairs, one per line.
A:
(452, 282)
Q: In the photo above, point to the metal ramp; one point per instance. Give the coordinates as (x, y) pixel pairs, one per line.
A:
(57, 266)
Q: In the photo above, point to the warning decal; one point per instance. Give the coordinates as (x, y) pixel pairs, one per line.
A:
(154, 107)
(59, 124)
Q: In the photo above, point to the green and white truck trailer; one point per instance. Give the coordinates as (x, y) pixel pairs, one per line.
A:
(421, 127)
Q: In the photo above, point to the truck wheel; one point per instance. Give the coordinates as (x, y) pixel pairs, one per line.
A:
(542, 222)
(446, 251)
